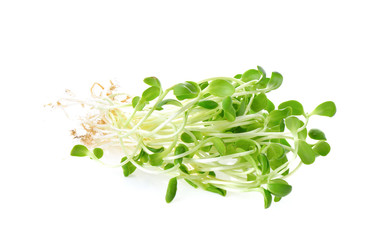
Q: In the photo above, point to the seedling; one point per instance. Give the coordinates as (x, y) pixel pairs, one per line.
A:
(220, 134)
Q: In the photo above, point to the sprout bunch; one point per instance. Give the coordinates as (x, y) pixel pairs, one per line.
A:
(220, 134)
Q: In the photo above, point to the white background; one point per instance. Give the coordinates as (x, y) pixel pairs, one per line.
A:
(326, 50)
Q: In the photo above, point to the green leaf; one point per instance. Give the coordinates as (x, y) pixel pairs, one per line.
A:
(168, 166)
(275, 81)
(316, 134)
(270, 106)
(135, 100)
(277, 162)
(208, 104)
(265, 167)
(327, 109)
(251, 74)
(127, 168)
(171, 189)
(229, 111)
(221, 88)
(203, 85)
(219, 145)
(274, 151)
(212, 174)
(293, 124)
(214, 189)
(140, 105)
(267, 198)
(152, 81)
(242, 108)
(305, 152)
(302, 134)
(98, 152)
(156, 159)
(277, 199)
(297, 108)
(262, 71)
(191, 183)
(263, 83)
(181, 148)
(156, 150)
(279, 187)
(238, 76)
(251, 177)
(259, 102)
(322, 148)
(184, 169)
(185, 137)
(168, 102)
(245, 144)
(186, 90)
(151, 93)
(80, 151)
(275, 116)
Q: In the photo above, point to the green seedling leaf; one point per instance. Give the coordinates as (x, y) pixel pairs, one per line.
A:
(302, 134)
(322, 148)
(197, 134)
(316, 134)
(156, 159)
(262, 71)
(212, 174)
(277, 199)
(260, 102)
(275, 116)
(229, 111)
(305, 152)
(270, 106)
(141, 104)
(264, 162)
(151, 93)
(219, 145)
(135, 100)
(275, 81)
(277, 162)
(168, 166)
(186, 90)
(208, 104)
(98, 152)
(279, 187)
(238, 76)
(80, 151)
(185, 137)
(203, 85)
(152, 81)
(191, 183)
(214, 189)
(293, 124)
(181, 148)
(245, 144)
(267, 197)
(250, 75)
(156, 150)
(168, 102)
(127, 168)
(274, 151)
(221, 88)
(297, 108)
(171, 189)
(251, 177)
(327, 109)
(241, 108)
(184, 169)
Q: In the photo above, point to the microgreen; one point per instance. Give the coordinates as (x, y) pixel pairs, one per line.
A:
(220, 134)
